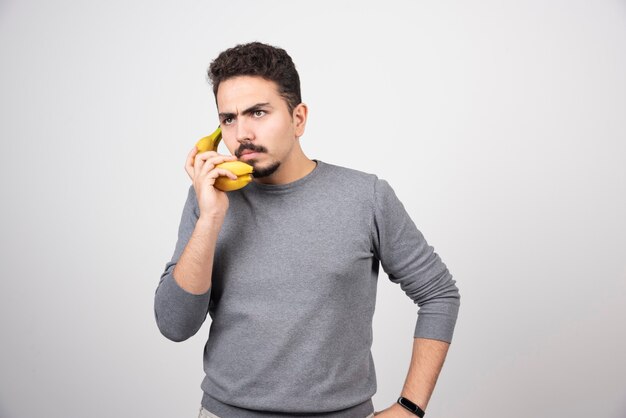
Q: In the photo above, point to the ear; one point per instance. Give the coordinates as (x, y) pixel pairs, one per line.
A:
(300, 113)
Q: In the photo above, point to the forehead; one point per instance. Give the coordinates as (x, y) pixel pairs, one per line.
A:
(244, 91)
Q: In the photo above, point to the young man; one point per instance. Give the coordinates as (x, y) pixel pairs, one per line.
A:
(287, 267)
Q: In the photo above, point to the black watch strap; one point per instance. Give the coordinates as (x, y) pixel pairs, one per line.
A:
(407, 404)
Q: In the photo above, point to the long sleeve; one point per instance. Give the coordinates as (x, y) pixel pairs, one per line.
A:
(180, 314)
(409, 261)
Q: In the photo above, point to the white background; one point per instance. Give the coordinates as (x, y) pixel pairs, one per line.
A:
(500, 124)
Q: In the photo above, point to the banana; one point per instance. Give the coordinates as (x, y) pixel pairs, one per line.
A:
(210, 143)
(242, 170)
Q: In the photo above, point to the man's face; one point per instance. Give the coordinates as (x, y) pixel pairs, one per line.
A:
(257, 126)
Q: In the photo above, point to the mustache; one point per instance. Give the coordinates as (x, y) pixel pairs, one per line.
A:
(249, 146)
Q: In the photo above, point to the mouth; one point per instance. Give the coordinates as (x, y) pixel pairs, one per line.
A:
(247, 155)
(249, 151)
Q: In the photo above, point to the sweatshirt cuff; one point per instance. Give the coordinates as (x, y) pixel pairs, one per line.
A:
(439, 325)
(173, 290)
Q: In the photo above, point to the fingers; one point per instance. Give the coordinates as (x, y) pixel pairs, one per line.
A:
(198, 164)
(189, 161)
(221, 172)
(212, 176)
(212, 161)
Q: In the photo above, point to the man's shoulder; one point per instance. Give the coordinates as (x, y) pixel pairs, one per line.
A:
(350, 174)
(351, 182)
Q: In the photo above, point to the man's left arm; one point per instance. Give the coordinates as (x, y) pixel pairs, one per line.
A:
(409, 261)
(426, 363)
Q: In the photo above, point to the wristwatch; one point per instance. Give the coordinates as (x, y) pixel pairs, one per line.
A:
(407, 404)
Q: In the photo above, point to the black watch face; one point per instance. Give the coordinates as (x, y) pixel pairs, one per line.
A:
(411, 406)
(407, 403)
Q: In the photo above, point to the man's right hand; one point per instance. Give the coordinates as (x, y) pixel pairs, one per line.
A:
(201, 170)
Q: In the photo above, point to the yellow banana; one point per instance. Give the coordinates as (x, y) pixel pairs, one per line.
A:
(242, 170)
(210, 143)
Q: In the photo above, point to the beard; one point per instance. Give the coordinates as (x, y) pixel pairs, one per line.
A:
(260, 172)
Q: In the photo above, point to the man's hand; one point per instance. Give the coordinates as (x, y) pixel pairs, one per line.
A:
(426, 363)
(394, 411)
(195, 265)
(201, 170)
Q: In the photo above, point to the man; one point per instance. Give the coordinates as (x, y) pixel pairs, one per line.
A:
(287, 267)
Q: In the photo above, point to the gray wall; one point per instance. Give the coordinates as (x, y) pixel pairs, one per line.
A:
(500, 124)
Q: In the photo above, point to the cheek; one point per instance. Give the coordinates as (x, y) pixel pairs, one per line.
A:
(286, 127)
(275, 126)
(230, 144)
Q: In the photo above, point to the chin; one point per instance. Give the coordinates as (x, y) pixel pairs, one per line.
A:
(260, 172)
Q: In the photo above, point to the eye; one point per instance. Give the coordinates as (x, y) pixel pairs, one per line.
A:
(227, 121)
(259, 113)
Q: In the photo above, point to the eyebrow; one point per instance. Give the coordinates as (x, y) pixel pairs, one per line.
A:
(247, 111)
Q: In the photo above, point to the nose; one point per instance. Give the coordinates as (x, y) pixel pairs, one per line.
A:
(243, 133)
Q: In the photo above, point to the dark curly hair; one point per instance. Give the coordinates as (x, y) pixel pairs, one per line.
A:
(258, 59)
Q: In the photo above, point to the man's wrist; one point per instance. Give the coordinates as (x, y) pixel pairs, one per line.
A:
(399, 411)
(410, 406)
(211, 219)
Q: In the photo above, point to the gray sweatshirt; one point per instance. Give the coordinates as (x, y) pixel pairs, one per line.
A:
(293, 293)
